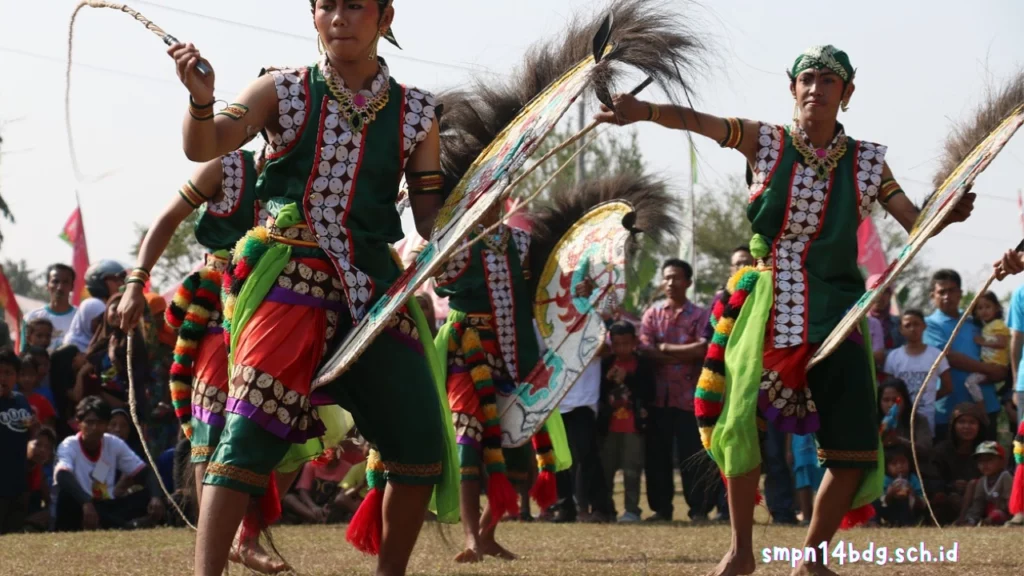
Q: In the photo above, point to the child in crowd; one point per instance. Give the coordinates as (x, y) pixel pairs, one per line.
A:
(954, 461)
(802, 457)
(990, 494)
(994, 340)
(317, 487)
(627, 388)
(911, 363)
(353, 485)
(17, 424)
(40, 456)
(39, 334)
(902, 497)
(28, 381)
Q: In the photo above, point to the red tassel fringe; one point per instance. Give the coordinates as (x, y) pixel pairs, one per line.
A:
(502, 497)
(1017, 494)
(268, 513)
(545, 490)
(366, 529)
(857, 517)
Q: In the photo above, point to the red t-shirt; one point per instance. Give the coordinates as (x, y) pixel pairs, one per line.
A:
(623, 420)
(35, 479)
(41, 406)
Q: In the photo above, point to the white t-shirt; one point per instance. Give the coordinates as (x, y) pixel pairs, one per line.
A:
(97, 477)
(61, 324)
(586, 392)
(912, 370)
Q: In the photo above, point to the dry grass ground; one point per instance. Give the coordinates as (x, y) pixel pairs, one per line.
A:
(548, 549)
(573, 550)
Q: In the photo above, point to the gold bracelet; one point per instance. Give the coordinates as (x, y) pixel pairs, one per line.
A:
(655, 112)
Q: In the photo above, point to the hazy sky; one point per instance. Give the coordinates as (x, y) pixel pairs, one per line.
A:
(921, 66)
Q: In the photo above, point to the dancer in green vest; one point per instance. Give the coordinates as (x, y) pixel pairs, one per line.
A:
(341, 133)
(810, 187)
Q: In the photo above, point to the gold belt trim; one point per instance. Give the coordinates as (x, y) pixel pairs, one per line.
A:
(305, 239)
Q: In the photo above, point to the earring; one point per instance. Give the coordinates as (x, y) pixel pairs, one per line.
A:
(796, 112)
(373, 46)
(845, 105)
(319, 45)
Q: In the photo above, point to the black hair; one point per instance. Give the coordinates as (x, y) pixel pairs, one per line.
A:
(991, 297)
(742, 248)
(622, 328)
(60, 268)
(9, 357)
(901, 388)
(946, 275)
(36, 323)
(31, 358)
(897, 450)
(93, 405)
(49, 433)
(913, 312)
(681, 264)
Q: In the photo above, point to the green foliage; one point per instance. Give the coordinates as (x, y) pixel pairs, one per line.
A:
(721, 226)
(181, 256)
(25, 281)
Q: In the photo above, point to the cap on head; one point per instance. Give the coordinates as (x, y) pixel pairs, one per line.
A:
(826, 57)
(989, 448)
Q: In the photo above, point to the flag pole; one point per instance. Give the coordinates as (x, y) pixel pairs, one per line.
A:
(693, 213)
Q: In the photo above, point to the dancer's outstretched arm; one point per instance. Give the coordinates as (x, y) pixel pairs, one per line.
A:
(204, 186)
(739, 134)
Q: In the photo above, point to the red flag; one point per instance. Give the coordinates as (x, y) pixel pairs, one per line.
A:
(10, 307)
(74, 234)
(870, 253)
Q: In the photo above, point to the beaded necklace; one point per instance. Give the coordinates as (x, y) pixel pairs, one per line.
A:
(498, 241)
(360, 108)
(822, 160)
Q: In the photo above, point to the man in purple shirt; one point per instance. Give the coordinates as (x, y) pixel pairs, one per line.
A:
(672, 334)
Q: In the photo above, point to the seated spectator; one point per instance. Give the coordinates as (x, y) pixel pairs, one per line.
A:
(40, 455)
(17, 423)
(121, 426)
(353, 485)
(106, 374)
(802, 457)
(317, 487)
(627, 389)
(990, 494)
(38, 334)
(65, 363)
(28, 380)
(89, 497)
(894, 391)
(954, 461)
(912, 361)
(902, 498)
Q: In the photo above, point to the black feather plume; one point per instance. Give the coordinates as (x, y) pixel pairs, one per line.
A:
(647, 36)
(656, 212)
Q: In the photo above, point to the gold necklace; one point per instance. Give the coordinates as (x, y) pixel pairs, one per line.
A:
(822, 160)
(498, 241)
(358, 109)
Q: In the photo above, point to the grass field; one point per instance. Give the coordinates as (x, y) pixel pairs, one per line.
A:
(575, 550)
(555, 549)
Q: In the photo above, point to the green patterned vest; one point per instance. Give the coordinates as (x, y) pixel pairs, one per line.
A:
(345, 182)
(490, 278)
(222, 223)
(812, 226)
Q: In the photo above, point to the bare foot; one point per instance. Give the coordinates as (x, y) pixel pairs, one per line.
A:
(492, 548)
(806, 569)
(254, 557)
(468, 556)
(735, 563)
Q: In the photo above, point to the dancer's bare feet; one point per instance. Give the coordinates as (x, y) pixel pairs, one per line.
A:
(468, 556)
(488, 547)
(735, 563)
(252, 555)
(808, 569)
